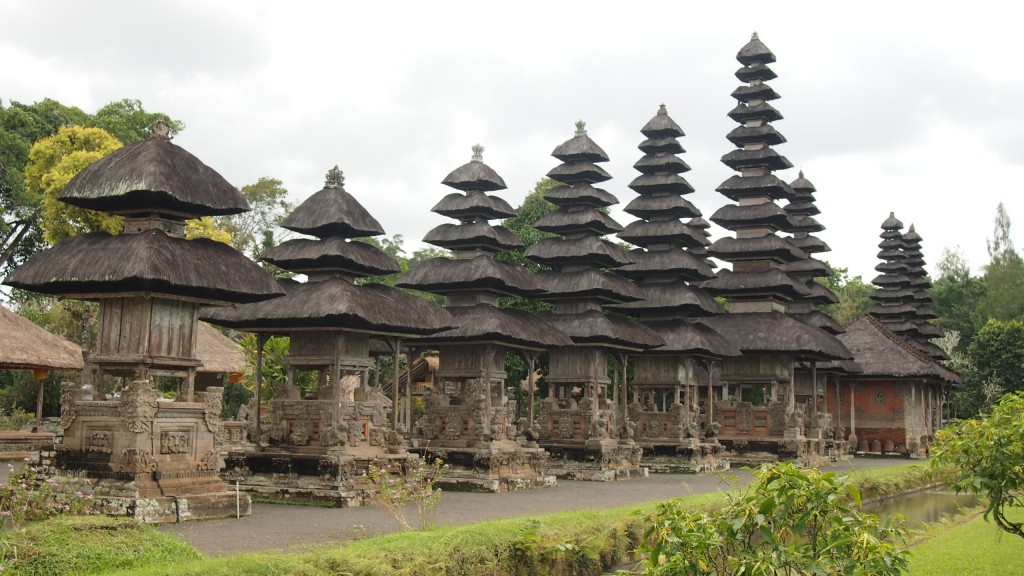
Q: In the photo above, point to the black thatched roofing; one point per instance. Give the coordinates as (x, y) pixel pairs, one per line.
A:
(755, 72)
(733, 216)
(443, 275)
(767, 247)
(589, 249)
(654, 183)
(755, 52)
(477, 235)
(679, 263)
(775, 332)
(671, 300)
(584, 218)
(150, 261)
(473, 204)
(661, 126)
(670, 205)
(475, 175)
(643, 233)
(892, 223)
(691, 338)
(881, 353)
(579, 147)
(332, 212)
(483, 323)
(588, 284)
(580, 171)
(303, 255)
(650, 163)
(766, 133)
(764, 157)
(810, 244)
(809, 267)
(750, 284)
(819, 319)
(26, 346)
(666, 144)
(598, 329)
(153, 175)
(336, 303)
(738, 187)
(580, 194)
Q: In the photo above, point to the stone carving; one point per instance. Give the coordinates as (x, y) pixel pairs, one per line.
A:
(566, 427)
(628, 430)
(99, 442)
(137, 460)
(138, 406)
(300, 433)
(599, 429)
(209, 461)
(213, 398)
(175, 442)
(70, 394)
(796, 419)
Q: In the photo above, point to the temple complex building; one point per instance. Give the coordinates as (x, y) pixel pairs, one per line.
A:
(579, 423)
(469, 417)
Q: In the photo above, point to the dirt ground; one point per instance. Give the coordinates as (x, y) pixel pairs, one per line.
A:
(274, 526)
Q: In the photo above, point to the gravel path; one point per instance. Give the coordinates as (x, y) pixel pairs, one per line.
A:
(274, 526)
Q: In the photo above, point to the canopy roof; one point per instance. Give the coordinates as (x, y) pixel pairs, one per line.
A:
(486, 324)
(882, 353)
(26, 346)
(776, 332)
(218, 353)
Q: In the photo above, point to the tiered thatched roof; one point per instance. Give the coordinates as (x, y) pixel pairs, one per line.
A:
(884, 354)
(26, 346)
(218, 353)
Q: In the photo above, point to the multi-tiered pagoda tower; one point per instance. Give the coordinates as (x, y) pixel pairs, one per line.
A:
(758, 288)
(579, 419)
(469, 416)
(667, 410)
(321, 441)
(152, 459)
(918, 285)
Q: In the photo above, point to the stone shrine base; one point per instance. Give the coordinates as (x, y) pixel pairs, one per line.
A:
(598, 461)
(495, 466)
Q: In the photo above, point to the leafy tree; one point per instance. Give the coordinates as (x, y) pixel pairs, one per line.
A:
(52, 162)
(533, 208)
(985, 456)
(251, 230)
(206, 227)
(1004, 276)
(956, 296)
(129, 122)
(853, 293)
(998, 353)
(788, 522)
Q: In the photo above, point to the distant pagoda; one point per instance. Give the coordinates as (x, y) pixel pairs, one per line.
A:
(586, 427)
(663, 268)
(758, 288)
(468, 416)
(317, 444)
(902, 300)
(150, 283)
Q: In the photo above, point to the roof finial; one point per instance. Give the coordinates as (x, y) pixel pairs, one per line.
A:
(160, 130)
(754, 36)
(911, 228)
(892, 214)
(581, 128)
(335, 178)
(801, 175)
(661, 110)
(478, 153)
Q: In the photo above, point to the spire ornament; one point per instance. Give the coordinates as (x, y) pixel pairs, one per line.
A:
(478, 153)
(335, 178)
(160, 130)
(581, 128)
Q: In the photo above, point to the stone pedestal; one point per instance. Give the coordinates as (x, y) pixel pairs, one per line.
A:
(155, 460)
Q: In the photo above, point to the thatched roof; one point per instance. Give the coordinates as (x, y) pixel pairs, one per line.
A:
(729, 283)
(444, 275)
(644, 233)
(332, 211)
(755, 72)
(755, 52)
(776, 332)
(662, 125)
(819, 319)
(473, 204)
(150, 261)
(153, 175)
(480, 234)
(598, 329)
(580, 147)
(651, 164)
(733, 216)
(769, 246)
(218, 353)
(654, 183)
(682, 263)
(588, 284)
(588, 218)
(810, 244)
(580, 194)
(483, 323)
(766, 133)
(336, 303)
(768, 157)
(648, 205)
(755, 92)
(738, 187)
(26, 346)
(881, 353)
(691, 338)
(474, 175)
(590, 249)
(578, 171)
(303, 255)
(672, 299)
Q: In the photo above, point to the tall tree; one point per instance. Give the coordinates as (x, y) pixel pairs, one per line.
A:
(1004, 276)
(129, 122)
(853, 293)
(52, 162)
(250, 231)
(533, 208)
(956, 295)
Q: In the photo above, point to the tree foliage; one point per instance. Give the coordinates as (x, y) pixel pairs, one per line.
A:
(253, 231)
(956, 295)
(853, 293)
(533, 208)
(1004, 275)
(986, 456)
(789, 521)
(52, 162)
(129, 122)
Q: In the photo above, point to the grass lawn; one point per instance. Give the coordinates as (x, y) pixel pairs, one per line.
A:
(974, 547)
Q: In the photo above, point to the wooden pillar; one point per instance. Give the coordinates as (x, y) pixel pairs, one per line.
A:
(531, 379)
(190, 384)
(792, 389)
(261, 341)
(711, 397)
(408, 388)
(488, 355)
(814, 389)
(853, 421)
(39, 405)
(396, 347)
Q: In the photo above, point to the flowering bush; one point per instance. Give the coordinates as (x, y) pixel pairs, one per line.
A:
(29, 495)
(395, 484)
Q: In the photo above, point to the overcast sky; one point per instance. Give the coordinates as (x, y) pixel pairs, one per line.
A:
(911, 107)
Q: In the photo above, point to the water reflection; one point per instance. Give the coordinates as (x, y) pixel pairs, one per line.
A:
(923, 507)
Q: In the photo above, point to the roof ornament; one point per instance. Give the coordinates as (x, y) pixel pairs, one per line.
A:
(754, 36)
(661, 110)
(581, 128)
(801, 174)
(911, 228)
(478, 153)
(160, 130)
(335, 178)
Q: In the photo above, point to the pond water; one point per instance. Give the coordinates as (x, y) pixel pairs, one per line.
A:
(924, 506)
